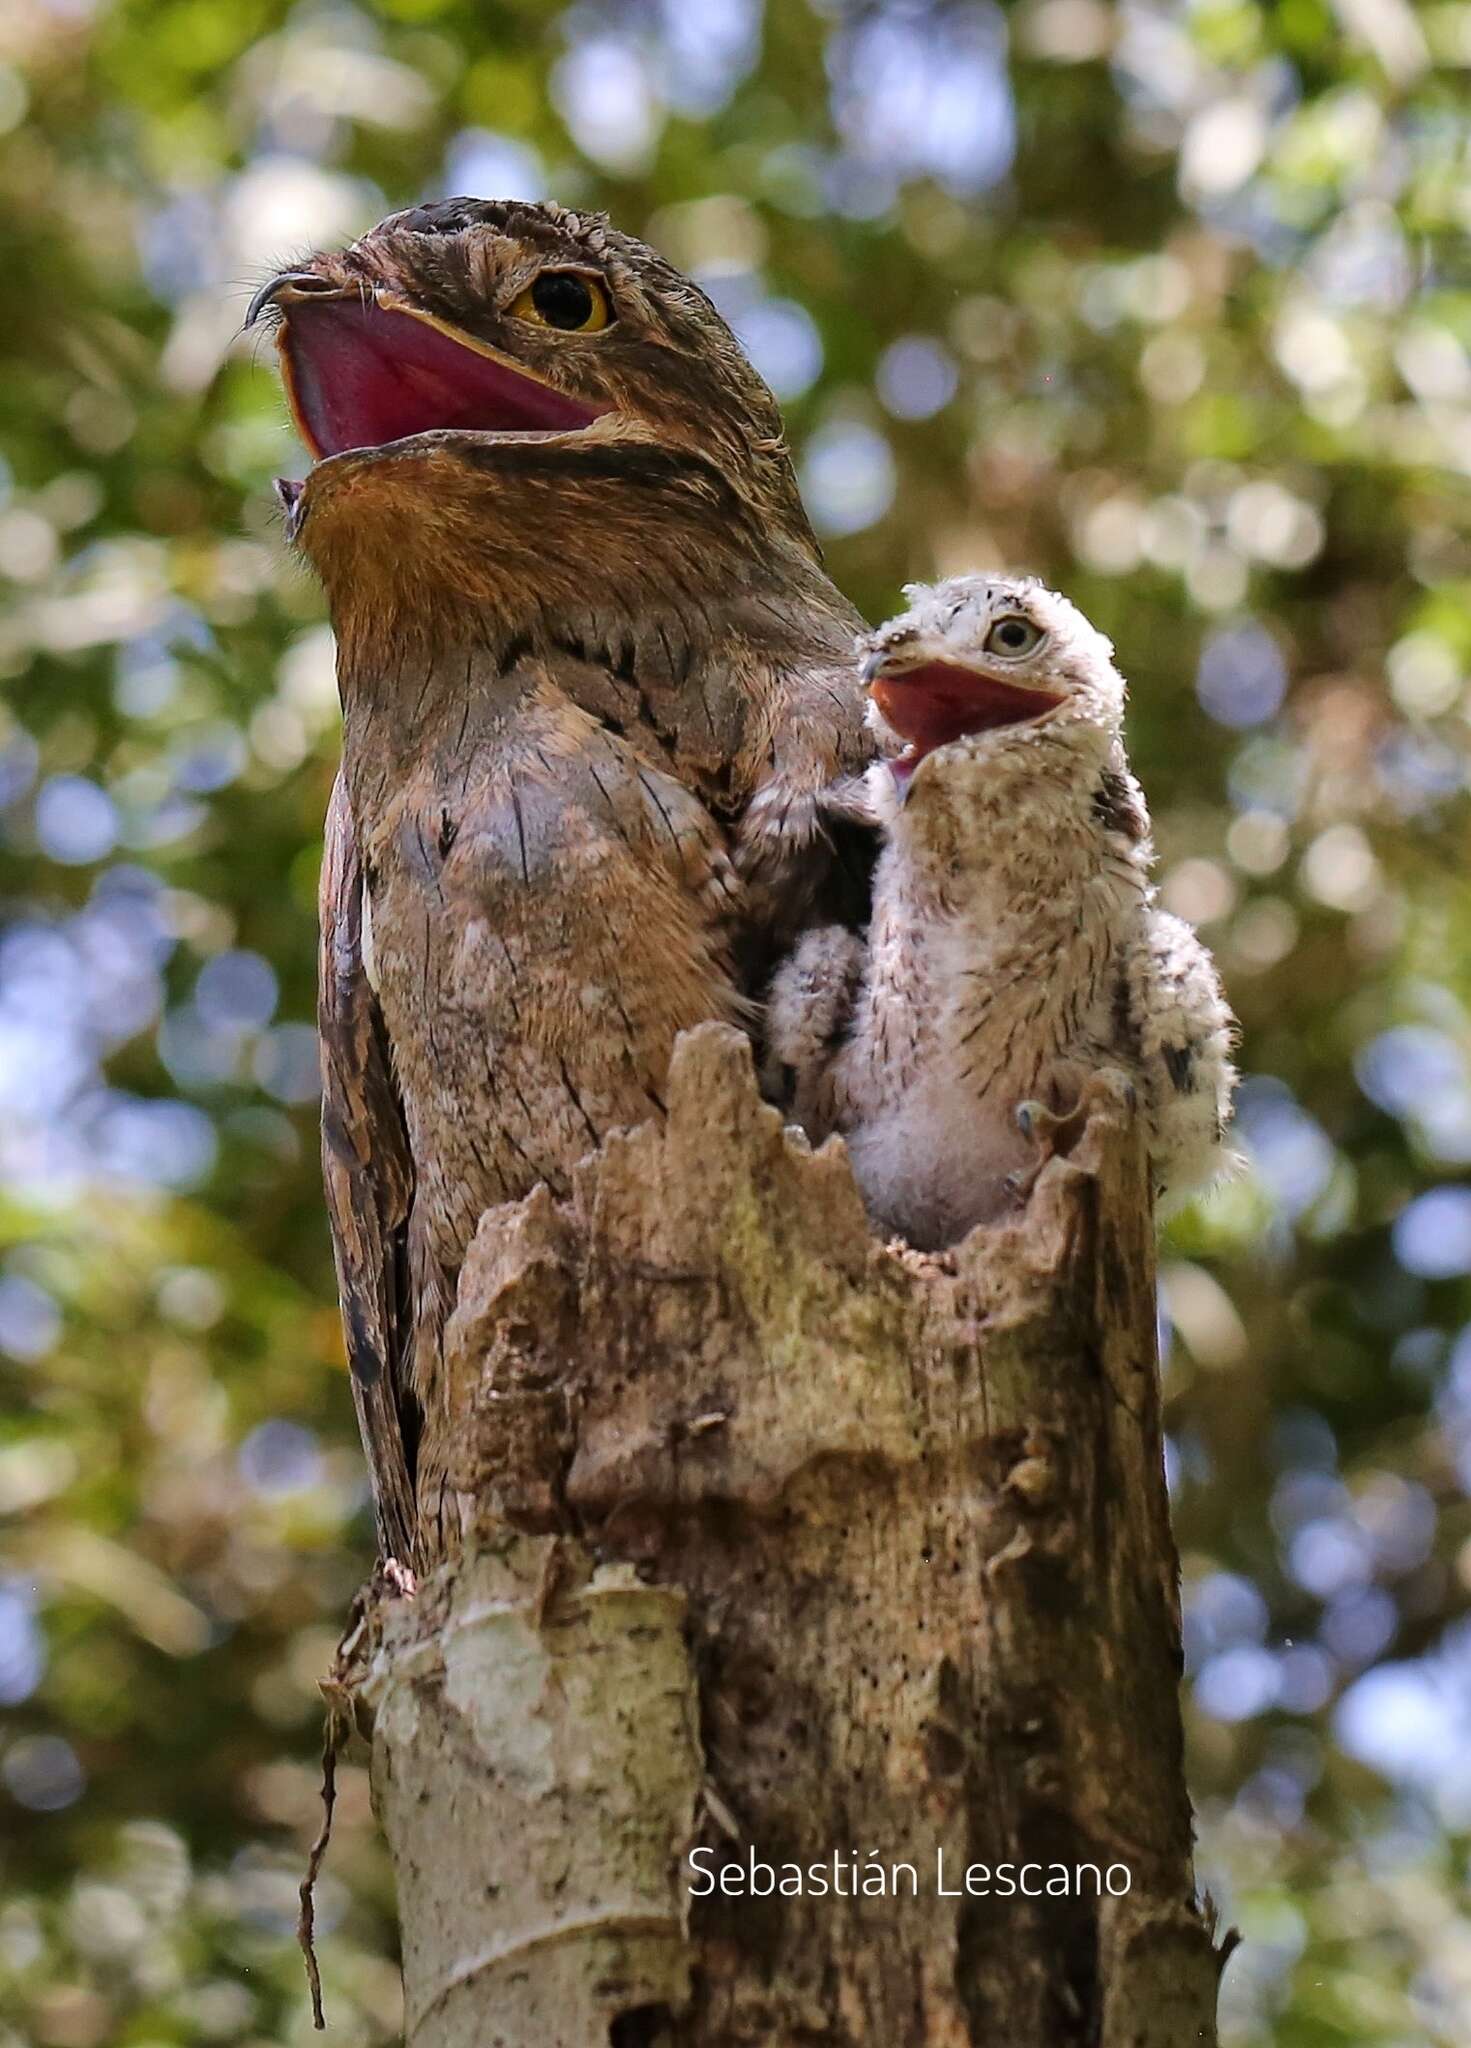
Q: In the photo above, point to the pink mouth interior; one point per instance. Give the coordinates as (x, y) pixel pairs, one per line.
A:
(931, 705)
(362, 375)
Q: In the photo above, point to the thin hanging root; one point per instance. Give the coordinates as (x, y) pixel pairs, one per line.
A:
(337, 1726)
(336, 1729)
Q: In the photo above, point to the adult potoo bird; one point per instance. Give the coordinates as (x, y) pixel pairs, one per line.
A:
(593, 678)
(1016, 950)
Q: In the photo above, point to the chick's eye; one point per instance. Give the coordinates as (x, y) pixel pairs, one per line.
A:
(1012, 636)
(566, 299)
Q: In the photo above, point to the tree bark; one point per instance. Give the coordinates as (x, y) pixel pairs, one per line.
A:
(785, 1544)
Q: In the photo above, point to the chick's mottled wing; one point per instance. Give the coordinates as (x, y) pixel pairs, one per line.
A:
(1184, 1030)
(368, 1175)
(809, 1014)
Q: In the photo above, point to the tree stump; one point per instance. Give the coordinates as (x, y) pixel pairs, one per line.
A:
(782, 1548)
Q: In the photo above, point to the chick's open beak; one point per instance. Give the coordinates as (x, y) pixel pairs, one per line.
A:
(931, 703)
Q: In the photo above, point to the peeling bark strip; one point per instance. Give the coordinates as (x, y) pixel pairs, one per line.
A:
(772, 1539)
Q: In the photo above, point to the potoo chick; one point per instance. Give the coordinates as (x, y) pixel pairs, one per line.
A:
(1016, 950)
(593, 678)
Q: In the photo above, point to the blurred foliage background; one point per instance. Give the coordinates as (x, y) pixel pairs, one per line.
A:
(1161, 300)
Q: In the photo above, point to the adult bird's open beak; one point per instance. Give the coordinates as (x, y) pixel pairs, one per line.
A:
(363, 366)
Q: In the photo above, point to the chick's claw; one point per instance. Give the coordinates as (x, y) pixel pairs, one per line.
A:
(1052, 1134)
(1055, 1133)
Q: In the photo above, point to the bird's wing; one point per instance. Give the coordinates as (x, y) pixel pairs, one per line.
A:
(810, 1010)
(1184, 1030)
(368, 1175)
(819, 744)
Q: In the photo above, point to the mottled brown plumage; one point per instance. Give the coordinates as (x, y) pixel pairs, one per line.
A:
(593, 678)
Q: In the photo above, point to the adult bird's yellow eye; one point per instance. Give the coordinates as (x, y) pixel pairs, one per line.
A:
(1012, 637)
(568, 299)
